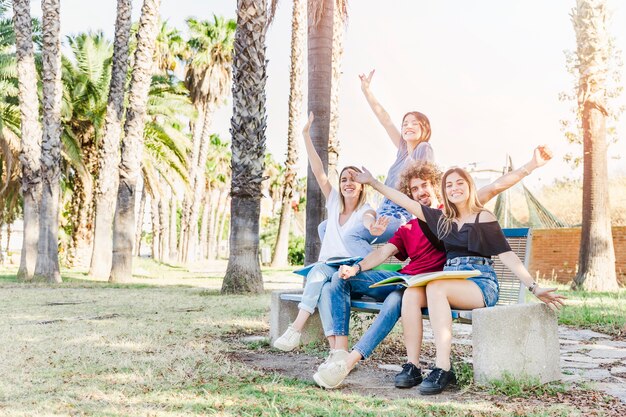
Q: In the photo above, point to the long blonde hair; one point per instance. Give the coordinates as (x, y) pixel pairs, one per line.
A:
(450, 211)
(362, 195)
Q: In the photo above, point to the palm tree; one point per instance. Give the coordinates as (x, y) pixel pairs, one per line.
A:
(243, 274)
(320, 44)
(132, 146)
(47, 266)
(108, 158)
(295, 101)
(30, 133)
(208, 78)
(596, 271)
(339, 21)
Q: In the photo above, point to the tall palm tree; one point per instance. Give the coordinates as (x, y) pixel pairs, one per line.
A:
(339, 20)
(596, 271)
(47, 266)
(248, 123)
(295, 102)
(30, 133)
(320, 45)
(108, 158)
(132, 146)
(208, 79)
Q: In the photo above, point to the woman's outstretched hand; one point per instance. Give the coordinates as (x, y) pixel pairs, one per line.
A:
(542, 155)
(366, 80)
(364, 177)
(379, 226)
(307, 126)
(547, 295)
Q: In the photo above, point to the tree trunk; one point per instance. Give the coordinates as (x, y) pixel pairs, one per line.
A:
(108, 160)
(132, 146)
(173, 228)
(596, 265)
(156, 226)
(164, 246)
(204, 228)
(47, 266)
(30, 153)
(248, 123)
(320, 45)
(140, 216)
(281, 250)
(81, 210)
(220, 230)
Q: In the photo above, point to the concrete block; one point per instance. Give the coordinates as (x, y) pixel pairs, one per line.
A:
(283, 313)
(521, 340)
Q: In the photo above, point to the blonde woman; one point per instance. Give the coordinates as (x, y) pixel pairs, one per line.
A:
(347, 209)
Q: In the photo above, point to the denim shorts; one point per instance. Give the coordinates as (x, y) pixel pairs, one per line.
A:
(487, 281)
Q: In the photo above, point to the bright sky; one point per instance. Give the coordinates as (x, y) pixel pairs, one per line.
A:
(487, 73)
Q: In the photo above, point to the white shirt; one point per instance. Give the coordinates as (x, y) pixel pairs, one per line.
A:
(333, 243)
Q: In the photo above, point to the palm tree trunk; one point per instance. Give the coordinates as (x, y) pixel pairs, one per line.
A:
(320, 45)
(156, 226)
(108, 160)
(139, 226)
(199, 186)
(248, 123)
(164, 246)
(596, 270)
(220, 229)
(281, 249)
(47, 266)
(204, 228)
(30, 153)
(173, 227)
(132, 146)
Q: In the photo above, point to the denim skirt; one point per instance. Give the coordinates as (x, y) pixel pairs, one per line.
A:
(486, 281)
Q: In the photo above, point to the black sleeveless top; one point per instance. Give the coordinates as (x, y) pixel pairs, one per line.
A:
(472, 239)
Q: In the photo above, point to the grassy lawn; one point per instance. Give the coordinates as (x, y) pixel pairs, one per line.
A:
(90, 348)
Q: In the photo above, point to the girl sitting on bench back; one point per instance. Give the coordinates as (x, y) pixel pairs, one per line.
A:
(346, 209)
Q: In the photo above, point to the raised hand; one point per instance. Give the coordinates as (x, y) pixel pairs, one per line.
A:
(366, 80)
(364, 177)
(379, 226)
(547, 295)
(307, 126)
(541, 155)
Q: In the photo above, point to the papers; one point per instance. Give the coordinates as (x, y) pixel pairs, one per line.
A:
(336, 261)
(420, 280)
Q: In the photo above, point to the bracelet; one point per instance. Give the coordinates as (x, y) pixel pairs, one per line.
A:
(533, 287)
(360, 269)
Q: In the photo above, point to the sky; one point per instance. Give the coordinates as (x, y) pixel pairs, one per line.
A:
(487, 73)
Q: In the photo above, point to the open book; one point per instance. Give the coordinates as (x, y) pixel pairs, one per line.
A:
(420, 280)
(336, 261)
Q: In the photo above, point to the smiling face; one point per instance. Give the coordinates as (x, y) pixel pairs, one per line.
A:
(422, 191)
(411, 128)
(349, 188)
(457, 189)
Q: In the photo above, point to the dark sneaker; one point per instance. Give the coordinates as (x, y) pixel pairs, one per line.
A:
(410, 376)
(436, 381)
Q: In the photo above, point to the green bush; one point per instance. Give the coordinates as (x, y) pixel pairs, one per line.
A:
(296, 250)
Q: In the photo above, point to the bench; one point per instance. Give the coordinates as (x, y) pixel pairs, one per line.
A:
(284, 310)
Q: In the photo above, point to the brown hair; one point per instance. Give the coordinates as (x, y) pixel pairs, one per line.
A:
(450, 212)
(424, 125)
(362, 195)
(424, 170)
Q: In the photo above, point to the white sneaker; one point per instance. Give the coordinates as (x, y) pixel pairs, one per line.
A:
(333, 375)
(334, 356)
(289, 340)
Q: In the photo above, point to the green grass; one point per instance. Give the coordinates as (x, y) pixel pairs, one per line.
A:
(603, 312)
(524, 387)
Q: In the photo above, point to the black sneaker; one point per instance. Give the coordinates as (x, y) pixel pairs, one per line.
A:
(410, 376)
(437, 381)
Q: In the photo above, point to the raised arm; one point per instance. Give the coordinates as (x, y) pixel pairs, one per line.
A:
(547, 295)
(541, 156)
(394, 195)
(372, 260)
(381, 114)
(376, 226)
(314, 159)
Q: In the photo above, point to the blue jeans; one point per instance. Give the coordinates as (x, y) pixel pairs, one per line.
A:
(359, 239)
(315, 280)
(341, 290)
(487, 281)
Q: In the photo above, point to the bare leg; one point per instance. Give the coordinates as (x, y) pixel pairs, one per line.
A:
(461, 294)
(332, 342)
(412, 328)
(300, 320)
(341, 342)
